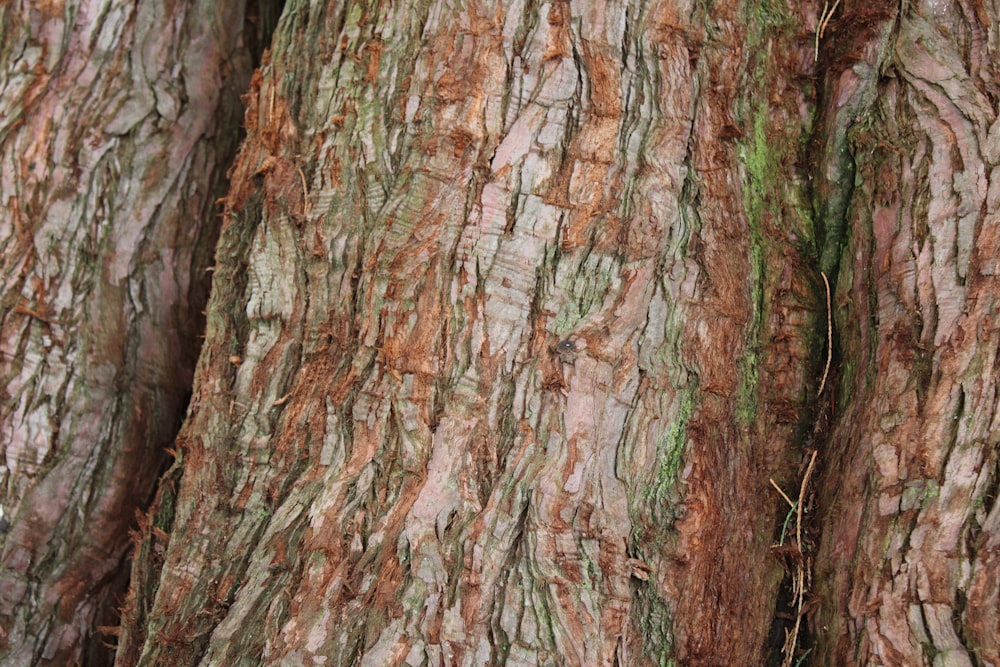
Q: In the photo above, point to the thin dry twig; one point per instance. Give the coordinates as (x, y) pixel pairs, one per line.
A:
(783, 494)
(305, 191)
(829, 335)
(799, 584)
(824, 20)
(827, 16)
(802, 495)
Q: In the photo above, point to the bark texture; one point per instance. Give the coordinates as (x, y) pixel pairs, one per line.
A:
(517, 313)
(514, 317)
(908, 571)
(118, 122)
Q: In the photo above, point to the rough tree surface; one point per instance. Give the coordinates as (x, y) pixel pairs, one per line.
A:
(515, 315)
(517, 320)
(117, 124)
(908, 569)
(519, 311)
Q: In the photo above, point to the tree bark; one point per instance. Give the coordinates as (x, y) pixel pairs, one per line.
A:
(118, 123)
(519, 349)
(907, 569)
(514, 318)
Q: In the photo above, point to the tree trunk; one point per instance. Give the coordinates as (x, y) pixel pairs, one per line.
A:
(119, 121)
(907, 570)
(519, 347)
(516, 314)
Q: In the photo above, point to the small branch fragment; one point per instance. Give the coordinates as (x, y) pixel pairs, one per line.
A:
(801, 575)
(783, 494)
(829, 335)
(802, 496)
(824, 20)
(305, 191)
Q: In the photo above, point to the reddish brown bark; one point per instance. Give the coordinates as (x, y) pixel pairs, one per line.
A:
(484, 377)
(907, 570)
(515, 338)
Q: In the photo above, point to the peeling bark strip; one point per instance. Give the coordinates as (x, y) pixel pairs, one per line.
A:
(117, 122)
(909, 568)
(392, 456)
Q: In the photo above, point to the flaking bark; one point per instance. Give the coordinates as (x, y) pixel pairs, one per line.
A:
(907, 572)
(516, 323)
(512, 322)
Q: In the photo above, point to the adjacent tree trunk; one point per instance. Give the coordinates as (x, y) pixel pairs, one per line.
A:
(908, 571)
(118, 123)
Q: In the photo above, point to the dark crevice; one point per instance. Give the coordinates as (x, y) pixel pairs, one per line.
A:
(260, 21)
(99, 647)
(830, 160)
(828, 157)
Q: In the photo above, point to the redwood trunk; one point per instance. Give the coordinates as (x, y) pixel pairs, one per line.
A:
(517, 348)
(907, 572)
(515, 316)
